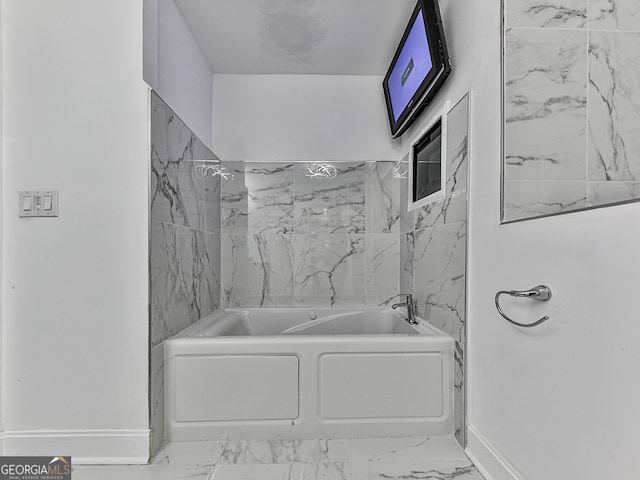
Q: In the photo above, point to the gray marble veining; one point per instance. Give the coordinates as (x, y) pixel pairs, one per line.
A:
(614, 15)
(185, 286)
(545, 104)
(416, 470)
(532, 198)
(257, 198)
(333, 270)
(178, 194)
(549, 13)
(257, 270)
(383, 209)
(614, 106)
(439, 263)
(329, 204)
(382, 264)
(407, 248)
(459, 394)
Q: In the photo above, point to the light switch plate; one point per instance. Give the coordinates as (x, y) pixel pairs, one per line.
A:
(38, 203)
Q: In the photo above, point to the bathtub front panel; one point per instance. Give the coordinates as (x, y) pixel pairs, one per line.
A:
(227, 388)
(380, 385)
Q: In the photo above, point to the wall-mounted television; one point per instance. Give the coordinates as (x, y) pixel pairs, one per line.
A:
(418, 69)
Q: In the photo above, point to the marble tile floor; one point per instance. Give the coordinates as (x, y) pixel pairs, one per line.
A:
(435, 458)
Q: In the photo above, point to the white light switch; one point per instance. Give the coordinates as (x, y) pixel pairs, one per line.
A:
(26, 203)
(38, 203)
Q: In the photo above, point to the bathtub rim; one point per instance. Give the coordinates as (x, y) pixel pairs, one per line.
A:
(186, 333)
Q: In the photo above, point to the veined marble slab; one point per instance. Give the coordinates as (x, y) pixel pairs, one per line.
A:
(329, 204)
(382, 255)
(526, 199)
(184, 282)
(545, 104)
(330, 269)
(459, 394)
(257, 198)
(407, 248)
(614, 15)
(614, 106)
(257, 270)
(439, 263)
(383, 208)
(550, 14)
(178, 194)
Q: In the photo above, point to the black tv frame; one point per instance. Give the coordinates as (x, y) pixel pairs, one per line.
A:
(435, 78)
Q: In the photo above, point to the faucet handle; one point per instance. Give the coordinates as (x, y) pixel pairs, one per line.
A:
(408, 298)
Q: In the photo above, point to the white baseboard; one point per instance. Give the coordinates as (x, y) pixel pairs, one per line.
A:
(84, 446)
(486, 458)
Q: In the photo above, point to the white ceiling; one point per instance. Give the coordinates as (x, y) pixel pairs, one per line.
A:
(332, 37)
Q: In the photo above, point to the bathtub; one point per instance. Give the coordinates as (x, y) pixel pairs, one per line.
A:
(295, 373)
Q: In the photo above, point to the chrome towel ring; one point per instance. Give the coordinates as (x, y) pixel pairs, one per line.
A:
(541, 293)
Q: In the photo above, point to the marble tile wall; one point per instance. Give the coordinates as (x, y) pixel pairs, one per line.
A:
(309, 233)
(572, 73)
(433, 248)
(185, 241)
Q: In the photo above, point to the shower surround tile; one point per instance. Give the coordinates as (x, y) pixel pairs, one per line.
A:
(383, 208)
(184, 278)
(614, 106)
(382, 260)
(178, 194)
(329, 204)
(257, 270)
(439, 269)
(258, 198)
(407, 249)
(332, 272)
(545, 104)
(459, 394)
(614, 15)
(184, 254)
(548, 14)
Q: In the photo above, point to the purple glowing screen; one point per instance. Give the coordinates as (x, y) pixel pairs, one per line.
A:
(411, 68)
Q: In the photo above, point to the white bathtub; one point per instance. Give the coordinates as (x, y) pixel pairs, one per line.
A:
(307, 373)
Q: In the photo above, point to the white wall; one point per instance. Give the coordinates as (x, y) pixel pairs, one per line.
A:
(175, 67)
(559, 401)
(300, 118)
(75, 288)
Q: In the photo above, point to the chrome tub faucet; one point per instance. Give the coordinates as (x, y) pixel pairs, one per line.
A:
(410, 307)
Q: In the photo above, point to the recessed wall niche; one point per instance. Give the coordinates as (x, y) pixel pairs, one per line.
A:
(571, 111)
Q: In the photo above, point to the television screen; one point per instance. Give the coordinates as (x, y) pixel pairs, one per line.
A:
(419, 67)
